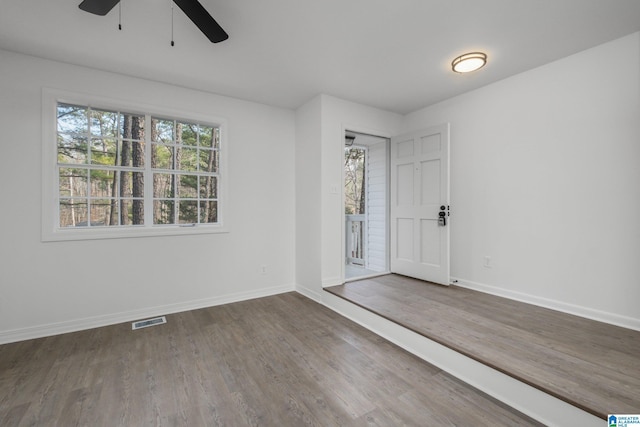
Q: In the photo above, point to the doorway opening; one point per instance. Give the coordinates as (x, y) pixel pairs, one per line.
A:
(366, 205)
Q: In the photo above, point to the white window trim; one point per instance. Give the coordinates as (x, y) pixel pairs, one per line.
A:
(51, 230)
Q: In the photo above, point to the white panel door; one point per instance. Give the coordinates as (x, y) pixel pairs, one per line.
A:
(419, 193)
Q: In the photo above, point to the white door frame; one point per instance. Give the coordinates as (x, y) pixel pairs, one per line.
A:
(380, 134)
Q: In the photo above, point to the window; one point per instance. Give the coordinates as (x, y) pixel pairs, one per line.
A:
(184, 163)
(124, 173)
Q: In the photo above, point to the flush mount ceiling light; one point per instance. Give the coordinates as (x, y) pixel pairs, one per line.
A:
(469, 62)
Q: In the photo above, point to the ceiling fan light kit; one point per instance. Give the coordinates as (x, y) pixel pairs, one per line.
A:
(192, 8)
(469, 62)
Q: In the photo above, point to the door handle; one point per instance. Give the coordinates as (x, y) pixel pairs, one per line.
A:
(442, 219)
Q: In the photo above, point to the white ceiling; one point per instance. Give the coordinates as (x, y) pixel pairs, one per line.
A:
(390, 54)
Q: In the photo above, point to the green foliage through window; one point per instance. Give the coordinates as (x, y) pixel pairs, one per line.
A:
(123, 169)
(354, 180)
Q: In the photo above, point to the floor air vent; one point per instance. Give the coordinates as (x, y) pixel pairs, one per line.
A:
(149, 322)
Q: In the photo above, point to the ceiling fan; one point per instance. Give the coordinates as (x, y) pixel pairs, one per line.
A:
(192, 8)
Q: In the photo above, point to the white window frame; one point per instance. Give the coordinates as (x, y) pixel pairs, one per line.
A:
(51, 230)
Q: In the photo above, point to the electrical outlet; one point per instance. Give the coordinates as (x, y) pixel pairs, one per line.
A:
(487, 262)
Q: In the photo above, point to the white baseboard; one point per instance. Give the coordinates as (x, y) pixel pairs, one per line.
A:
(309, 293)
(129, 316)
(588, 313)
(545, 408)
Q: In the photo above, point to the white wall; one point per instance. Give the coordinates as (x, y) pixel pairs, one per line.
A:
(307, 191)
(58, 286)
(321, 123)
(545, 179)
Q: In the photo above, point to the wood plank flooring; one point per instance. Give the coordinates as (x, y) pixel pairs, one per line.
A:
(277, 361)
(589, 364)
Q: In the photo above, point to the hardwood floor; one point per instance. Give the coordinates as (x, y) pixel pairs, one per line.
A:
(275, 361)
(589, 364)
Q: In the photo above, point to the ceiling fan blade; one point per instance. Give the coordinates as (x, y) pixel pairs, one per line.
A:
(98, 7)
(205, 22)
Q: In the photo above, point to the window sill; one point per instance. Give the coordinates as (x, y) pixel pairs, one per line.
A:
(69, 234)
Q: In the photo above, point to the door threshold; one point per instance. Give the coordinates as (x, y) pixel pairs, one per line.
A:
(366, 276)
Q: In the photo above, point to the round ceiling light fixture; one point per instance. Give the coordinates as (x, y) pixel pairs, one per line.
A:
(469, 62)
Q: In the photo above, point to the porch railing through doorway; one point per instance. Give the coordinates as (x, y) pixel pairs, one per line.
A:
(355, 238)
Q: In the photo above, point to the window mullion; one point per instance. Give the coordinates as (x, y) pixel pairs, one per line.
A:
(88, 167)
(148, 174)
(176, 146)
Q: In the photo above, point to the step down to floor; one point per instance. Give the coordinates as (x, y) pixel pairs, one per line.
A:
(490, 369)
